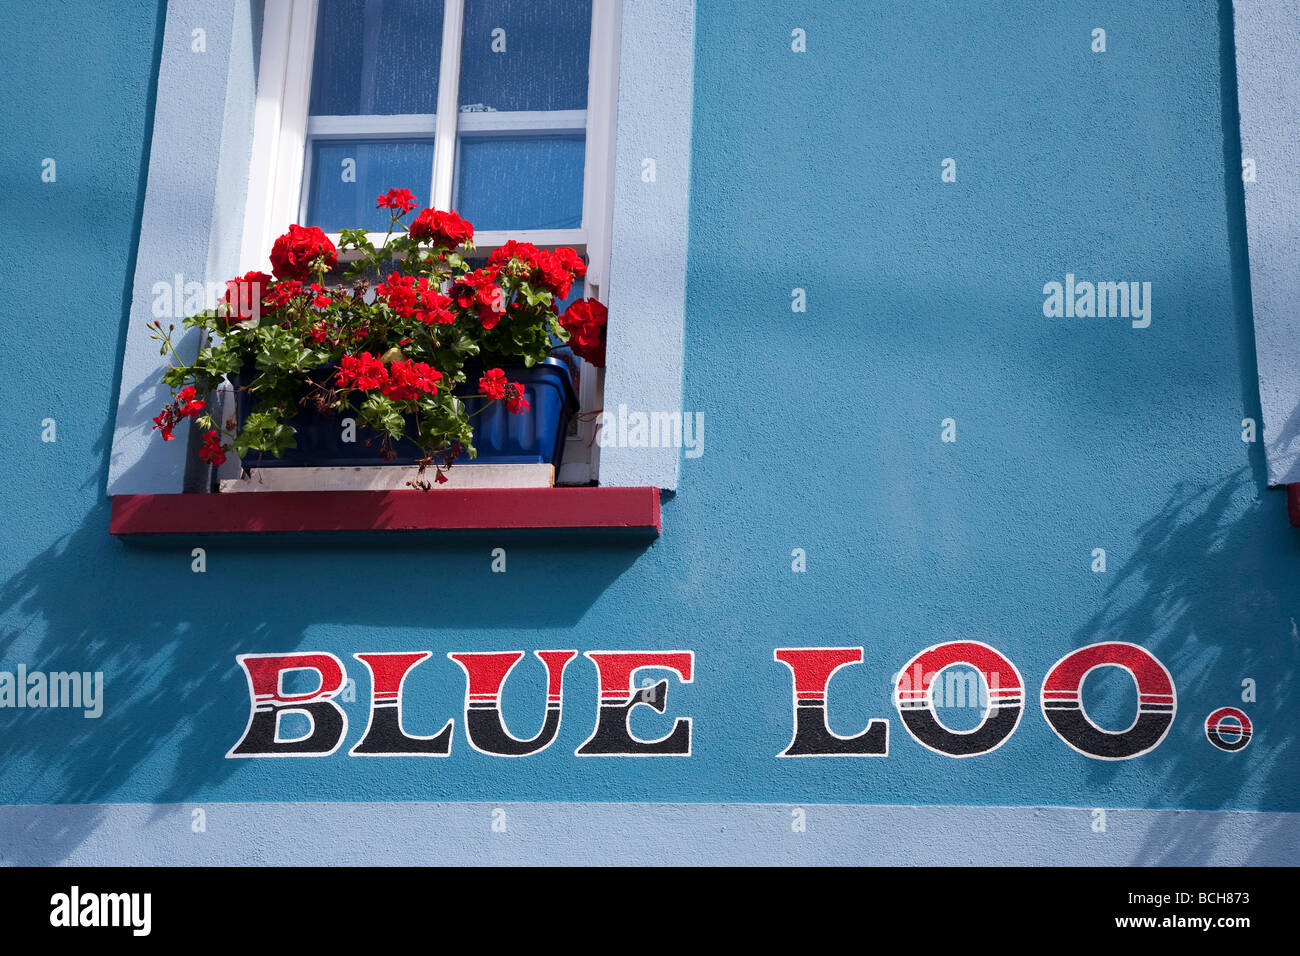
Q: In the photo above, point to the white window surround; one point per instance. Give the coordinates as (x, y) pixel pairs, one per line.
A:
(204, 174)
(1266, 36)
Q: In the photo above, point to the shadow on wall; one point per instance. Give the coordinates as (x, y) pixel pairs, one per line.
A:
(166, 639)
(1203, 576)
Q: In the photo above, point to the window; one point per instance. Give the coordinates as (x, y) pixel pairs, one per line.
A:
(501, 109)
(226, 175)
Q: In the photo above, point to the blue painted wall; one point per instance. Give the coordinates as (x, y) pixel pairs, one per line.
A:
(821, 171)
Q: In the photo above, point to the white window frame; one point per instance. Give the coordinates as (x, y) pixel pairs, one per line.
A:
(196, 192)
(283, 131)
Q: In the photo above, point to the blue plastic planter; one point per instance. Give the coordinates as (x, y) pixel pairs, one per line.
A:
(534, 437)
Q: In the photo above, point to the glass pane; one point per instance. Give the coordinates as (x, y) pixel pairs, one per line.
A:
(525, 54)
(338, 201)
(376, 57)
(521, 182)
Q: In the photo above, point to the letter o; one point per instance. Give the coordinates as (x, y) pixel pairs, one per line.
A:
(1215, 729)
(1062, 702)
(915, 698)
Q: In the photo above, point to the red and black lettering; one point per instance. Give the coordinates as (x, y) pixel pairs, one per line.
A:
(914, 697)
(618, 697)
(1228, 722)
(329, 723)
(812, 668)
(384, 736)
(485, 673)
(1063, 705)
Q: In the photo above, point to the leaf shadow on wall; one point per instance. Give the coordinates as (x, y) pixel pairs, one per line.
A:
(166, 639)
(1203, 575)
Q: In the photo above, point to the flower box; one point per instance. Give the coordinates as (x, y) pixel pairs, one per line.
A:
(384, 337)
(536, 436)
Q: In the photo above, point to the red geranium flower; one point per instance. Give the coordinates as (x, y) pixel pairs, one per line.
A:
(362, 372)
(554, 270)
(523, 251)
(571, 261)
(444, 229)
(553, 274)
(431, 304)
(426, 377)
(516, 404)
(163, 424)
(244, 296)
(282, 293)
(397, 199)
(399, 290)
(416, 299)
(479, 291)
(187, 403)
(212, 451)
(585, 321)
(301, 250)
(408, 380)
(321, 299)
(493, 383)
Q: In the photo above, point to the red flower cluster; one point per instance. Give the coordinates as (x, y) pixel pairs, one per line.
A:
(282, 293)
(300, 250)
(244, 296)
(553, 270)
(479, 291)
(494, 385)
(362, 372)
(212, 451)
(445, 229)
(417, 299)
(399, 199)
(305, 323)
(185, 405)
(585, 321)
(400, 381)
(409, 380)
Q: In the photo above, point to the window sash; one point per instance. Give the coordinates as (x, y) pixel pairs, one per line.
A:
(448, 123)
(282, 130)
(279, 174)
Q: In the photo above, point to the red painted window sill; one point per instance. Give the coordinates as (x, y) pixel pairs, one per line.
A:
(629, 509)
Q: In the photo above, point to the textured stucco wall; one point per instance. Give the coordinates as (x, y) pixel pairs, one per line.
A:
(817, 170)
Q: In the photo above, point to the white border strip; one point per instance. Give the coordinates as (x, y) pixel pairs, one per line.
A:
(641, 834)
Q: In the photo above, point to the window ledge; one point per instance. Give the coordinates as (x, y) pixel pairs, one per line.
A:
(623, 509)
